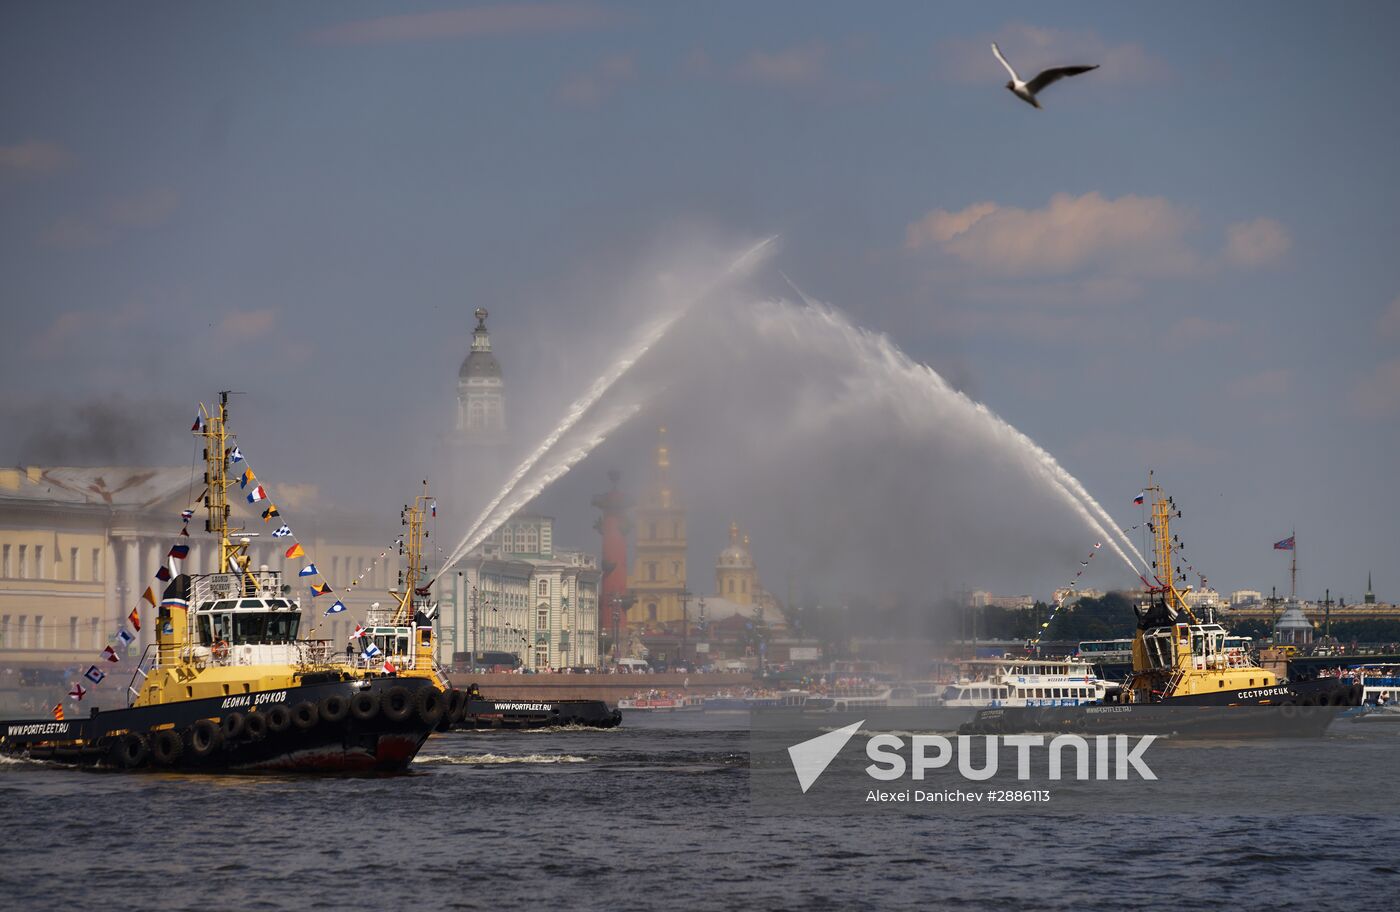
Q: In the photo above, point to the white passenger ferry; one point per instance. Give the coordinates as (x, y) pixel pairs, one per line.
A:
(1026, 682)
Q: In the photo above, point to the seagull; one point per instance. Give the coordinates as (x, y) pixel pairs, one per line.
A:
(1026, 91)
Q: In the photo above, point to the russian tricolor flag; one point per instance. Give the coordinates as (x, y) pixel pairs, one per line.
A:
(1138, 500)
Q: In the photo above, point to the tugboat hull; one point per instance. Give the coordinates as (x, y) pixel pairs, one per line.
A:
(1297, 710)
(331, 726)
(478, 715)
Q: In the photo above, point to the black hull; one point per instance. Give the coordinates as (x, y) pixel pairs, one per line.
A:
(1300, 710)
(200, 735)
(484, 715)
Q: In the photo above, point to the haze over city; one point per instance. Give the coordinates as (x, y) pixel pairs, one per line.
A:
(1182, 263)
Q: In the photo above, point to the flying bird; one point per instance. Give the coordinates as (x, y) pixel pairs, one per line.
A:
(1026, 91)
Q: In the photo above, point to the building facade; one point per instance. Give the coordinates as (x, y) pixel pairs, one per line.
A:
(517, 594)
(481, 408)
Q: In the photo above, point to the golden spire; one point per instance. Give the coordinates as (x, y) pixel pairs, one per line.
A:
(734, 533)
(663, 453)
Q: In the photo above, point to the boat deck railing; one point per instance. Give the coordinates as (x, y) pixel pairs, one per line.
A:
(253, 584)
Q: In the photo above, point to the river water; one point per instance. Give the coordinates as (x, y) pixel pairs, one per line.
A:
(653, 815)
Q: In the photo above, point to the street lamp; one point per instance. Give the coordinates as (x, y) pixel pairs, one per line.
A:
(685, 620)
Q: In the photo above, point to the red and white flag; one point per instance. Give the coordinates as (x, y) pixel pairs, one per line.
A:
(78, 692)
(359, 632)
(390, 667)
(110, 654)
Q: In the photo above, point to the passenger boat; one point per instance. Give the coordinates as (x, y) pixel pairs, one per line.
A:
(231, 683)
(1184, 679)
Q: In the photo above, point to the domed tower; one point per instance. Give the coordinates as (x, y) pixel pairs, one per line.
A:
(658, 578)
(481, 410)
(735, 575)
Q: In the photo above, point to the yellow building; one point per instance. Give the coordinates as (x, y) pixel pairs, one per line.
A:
(658, 571)
(736, 578)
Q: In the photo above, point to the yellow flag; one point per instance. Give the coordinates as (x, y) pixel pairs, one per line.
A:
(150, 596)
(296, 551)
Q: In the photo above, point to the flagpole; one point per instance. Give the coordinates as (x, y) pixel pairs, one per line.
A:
(1293, 574)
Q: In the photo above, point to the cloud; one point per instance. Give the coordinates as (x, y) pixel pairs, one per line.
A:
(1389, 323)
(59, 336)
(1194, 330)
(1131, 234)
(33, 158)
(589, 88)
(1263, 383)
(1032, 48)
(248, 324)
(1255, 243)
(1377, 395)
(111, 219)
(794, 66)
(471, 22)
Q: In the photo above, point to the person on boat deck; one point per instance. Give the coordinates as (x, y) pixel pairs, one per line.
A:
(473, 692)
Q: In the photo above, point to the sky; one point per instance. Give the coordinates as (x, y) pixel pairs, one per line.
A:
(1184, 263)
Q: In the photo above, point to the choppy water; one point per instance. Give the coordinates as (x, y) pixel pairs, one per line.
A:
(654, 815)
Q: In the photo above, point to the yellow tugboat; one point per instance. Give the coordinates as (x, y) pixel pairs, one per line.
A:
(1184, 677)
(230, 683)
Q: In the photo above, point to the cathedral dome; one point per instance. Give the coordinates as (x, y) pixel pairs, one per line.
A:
(480, 364)
(735, 554)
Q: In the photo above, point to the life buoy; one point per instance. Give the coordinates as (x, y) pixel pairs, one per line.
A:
(220, 649)
(334, 708)
(279, 719)
(132, 750)
(364, 705)
(430, 705)
(204, 738)
(167, 746)
(305, 715)
(255, 726)
(396, 704)
(234, 724)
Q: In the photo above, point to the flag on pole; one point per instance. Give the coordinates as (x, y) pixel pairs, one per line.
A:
(126, 639)
(338, 607)
(135, 618)
(78, 692)
(187, 515)
(58, 712)
(1139, 499)
(94, 674)
(435, 508)
(282, 532)
(198, 422)
(371, 651)
(320, 589)
(257, 494)
(390, 667)
(110, 654)
(1285, 545)
(296, 550)
(236, 455)
(150, 596)
(308, 570)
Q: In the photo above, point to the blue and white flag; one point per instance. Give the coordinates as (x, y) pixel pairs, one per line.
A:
(236, 455)
(94, 674)
(338, 607)
(308, 570)
(371, 651)
(282, 532)
(124, 638)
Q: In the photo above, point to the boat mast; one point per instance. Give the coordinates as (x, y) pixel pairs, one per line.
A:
(1163, 551)
(1293, 571)
(413, 517)
(232, 556)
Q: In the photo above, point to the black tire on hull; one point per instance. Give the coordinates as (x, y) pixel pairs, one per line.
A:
(305, 716)
(234, 725)
(166, 747)
(430, 705)
(456, 705)
(131, 750)
(397, 705)
(204, 738)
(334, 708)
(255, 726)
(279, 719)
(364, 706)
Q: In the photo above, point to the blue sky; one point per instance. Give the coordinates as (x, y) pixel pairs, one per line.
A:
(1187, 261)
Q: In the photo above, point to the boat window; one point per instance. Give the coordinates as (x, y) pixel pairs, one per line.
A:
(265, 628)
(250, 603)
(223, 606)
(206, 637)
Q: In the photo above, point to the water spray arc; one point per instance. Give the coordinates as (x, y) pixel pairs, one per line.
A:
(654, 333)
